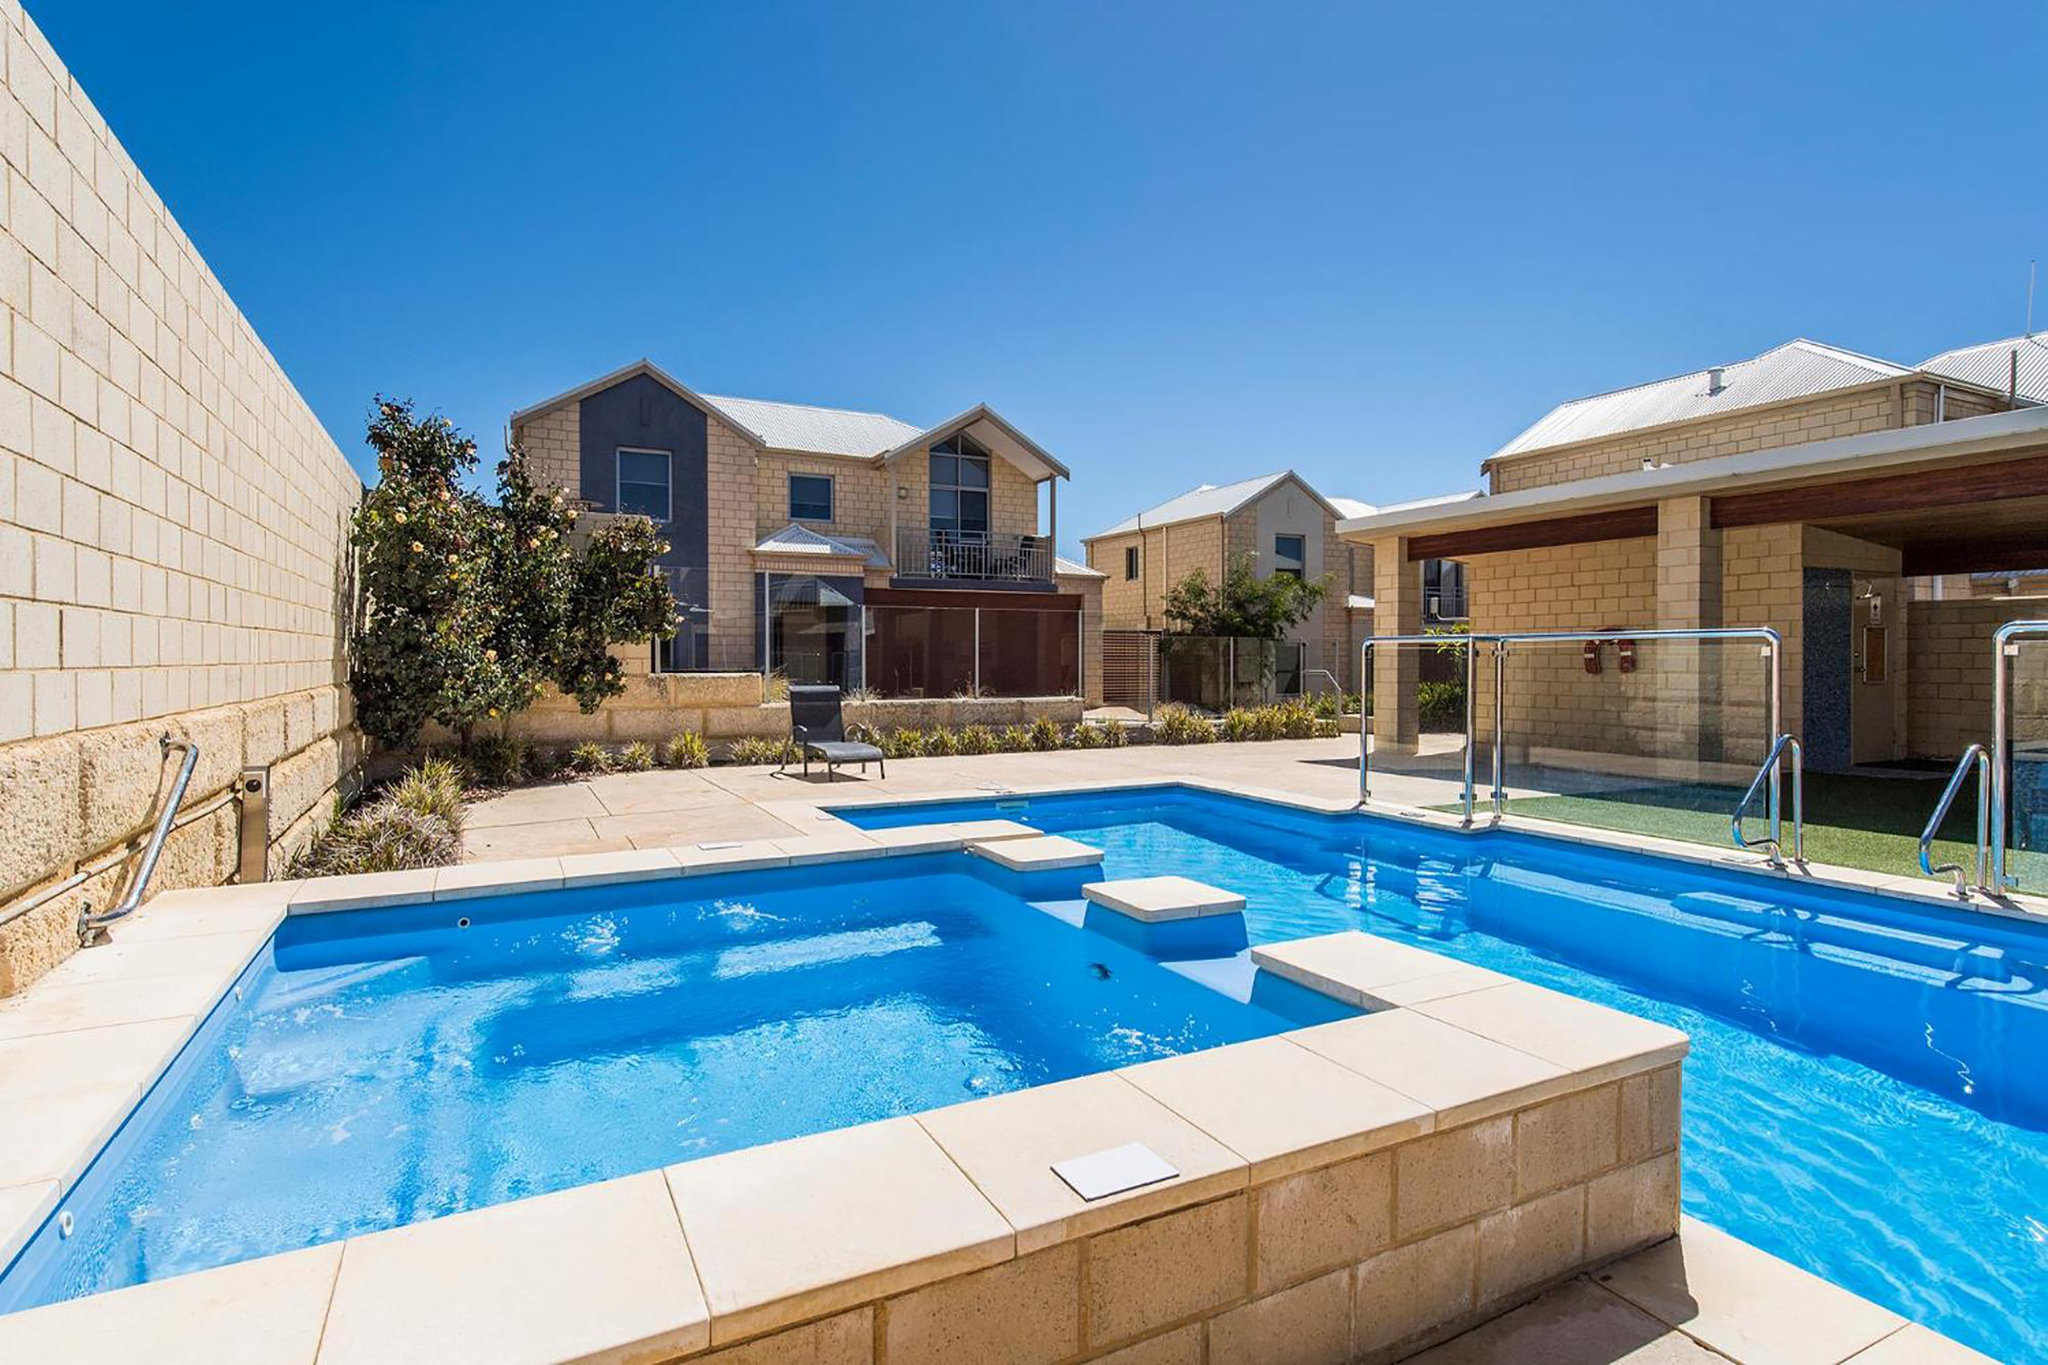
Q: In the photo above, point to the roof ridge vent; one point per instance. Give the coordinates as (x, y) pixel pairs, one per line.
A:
(1717, 380)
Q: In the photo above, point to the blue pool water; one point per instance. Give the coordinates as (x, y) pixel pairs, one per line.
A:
(1867, 1094)
(385, 1067)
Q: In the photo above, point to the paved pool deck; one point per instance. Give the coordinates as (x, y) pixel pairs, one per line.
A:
(666, 807)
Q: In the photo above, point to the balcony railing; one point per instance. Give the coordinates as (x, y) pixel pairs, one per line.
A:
(985, 556)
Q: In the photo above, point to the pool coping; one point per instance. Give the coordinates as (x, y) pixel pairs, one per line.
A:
(191, 947)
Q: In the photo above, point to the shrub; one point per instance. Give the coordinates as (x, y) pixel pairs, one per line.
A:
(590, 758)
(1296, 719)
(380, 837)
(1114, 735)
(1046, 734)
(545, 764)
(432, 788)
(1015, 739)
(907, 742)
(1327, 729)
(977, 739)
(636, 757)
(760, 749)
(498, 760)
(685, 749)
(1178, 725)
(1238, 725)
(1441, 706)
(1085, 736)
(940, 742)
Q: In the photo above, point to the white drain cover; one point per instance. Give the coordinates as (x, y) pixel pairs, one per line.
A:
(1101, 1174)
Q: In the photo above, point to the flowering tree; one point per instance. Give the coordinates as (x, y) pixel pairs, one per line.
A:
(1245, 606)
(469, 608)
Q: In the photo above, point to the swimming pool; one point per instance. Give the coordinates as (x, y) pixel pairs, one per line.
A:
(376, 1068)
(1865, 1095)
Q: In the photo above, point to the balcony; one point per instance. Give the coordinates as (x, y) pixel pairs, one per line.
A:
(984, 559)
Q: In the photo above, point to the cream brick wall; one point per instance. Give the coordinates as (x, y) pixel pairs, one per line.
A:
(1552, 702)
(553, 442)
(860, 493)
(1948, 675)
(1765, 428)
(172, 518)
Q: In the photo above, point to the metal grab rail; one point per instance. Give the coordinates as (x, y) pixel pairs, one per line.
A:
(1767, 775)
(1979, 757)
(90, 926)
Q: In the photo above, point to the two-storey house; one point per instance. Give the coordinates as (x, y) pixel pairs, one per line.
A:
(835, 546)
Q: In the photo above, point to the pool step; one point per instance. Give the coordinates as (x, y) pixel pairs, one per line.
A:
(1037, 853)
(1157, 899)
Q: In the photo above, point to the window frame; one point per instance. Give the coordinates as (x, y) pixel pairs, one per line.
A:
(1298, 568)
(1132, 562)
(619, 481)
(831, 483)
(960, 447)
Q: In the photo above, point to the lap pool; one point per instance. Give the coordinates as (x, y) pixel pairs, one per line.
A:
(1867, 1092)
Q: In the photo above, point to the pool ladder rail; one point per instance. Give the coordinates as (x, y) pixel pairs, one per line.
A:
(1975, 757)
(1767, 783)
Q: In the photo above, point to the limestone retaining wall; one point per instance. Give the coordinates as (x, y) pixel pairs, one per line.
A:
(172, 521)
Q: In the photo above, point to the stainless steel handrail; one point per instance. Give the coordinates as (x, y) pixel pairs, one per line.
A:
(90, 926)
(2004, 646)
(1979, 757)
(1767, 772)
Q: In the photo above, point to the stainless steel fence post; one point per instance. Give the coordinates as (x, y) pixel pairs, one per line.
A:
(977, 651)
(1471, 721)
(1500, 729)
(1364, 721)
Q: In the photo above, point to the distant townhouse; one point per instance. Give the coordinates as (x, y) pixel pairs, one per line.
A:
(1853, 504)
(832, 545)
(1286, 527)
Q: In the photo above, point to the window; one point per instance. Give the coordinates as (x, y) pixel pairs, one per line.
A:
(810, 497)
(1290, 554)
(1130, 563)
(959, 486)
(644, 484)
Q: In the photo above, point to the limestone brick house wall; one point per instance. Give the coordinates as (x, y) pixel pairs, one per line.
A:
(1875, 407)
(172, 529)
(1949, 669)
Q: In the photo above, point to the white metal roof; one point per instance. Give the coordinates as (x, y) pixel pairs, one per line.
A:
(821, 431)
(802, 540)
(1351, 507)
(1797, 369)
(1210, 500)
(1990, 365)
(1067, 568)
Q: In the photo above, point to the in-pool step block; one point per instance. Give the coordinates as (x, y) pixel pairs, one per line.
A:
(1156, 900)
(1039, 853)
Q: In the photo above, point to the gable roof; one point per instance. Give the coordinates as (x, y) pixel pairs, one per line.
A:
(802, 540)
(1210, 500)
(806, 429)
(625, 372)
(817, 431)
(1797, 369)
(1990, 365)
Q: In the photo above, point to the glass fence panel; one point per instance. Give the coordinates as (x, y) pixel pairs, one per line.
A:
(2027, 721)
(920, 651)
(1415, 704)
(1214, 673)
(1655, 737)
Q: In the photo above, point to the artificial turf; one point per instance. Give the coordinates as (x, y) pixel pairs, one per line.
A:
(1852, 820)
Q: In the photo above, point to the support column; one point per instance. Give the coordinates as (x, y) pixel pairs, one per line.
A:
(1688, 718)
(1396, 671)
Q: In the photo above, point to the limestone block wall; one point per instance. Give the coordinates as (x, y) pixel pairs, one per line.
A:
(553, 442)
(172, 521)
(1873, 408)
(860, 494)
(1949, 669)
(1552, 702)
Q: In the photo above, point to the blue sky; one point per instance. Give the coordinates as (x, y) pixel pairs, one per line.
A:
(1176, 243)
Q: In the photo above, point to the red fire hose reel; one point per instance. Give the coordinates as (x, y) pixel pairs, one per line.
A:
(1624, 654)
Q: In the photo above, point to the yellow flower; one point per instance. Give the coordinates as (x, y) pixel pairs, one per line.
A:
(418, 548)
(491, 654)
(399, 516)
(494, 710)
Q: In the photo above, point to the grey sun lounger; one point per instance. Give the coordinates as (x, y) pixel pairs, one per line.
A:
(818, 729)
